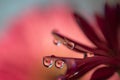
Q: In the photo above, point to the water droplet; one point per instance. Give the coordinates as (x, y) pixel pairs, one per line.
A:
(59, 63)
(48, 62)
(57, 42)
(76, 73)
(73, 74)
(70, 45)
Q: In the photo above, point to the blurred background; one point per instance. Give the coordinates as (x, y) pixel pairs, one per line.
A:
(37, 19)
(9, 9)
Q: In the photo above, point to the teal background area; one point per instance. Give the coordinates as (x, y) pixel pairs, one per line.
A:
(12, 8)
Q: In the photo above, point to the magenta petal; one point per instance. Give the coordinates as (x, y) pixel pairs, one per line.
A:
(112, 15)
(89, 32)
(109, 26)
(103, 73)
(85, 65)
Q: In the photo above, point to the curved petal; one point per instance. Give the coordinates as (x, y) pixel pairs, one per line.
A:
(79, 47)
(85, 65)
(103, 73)
(89, 32)
(109, 25)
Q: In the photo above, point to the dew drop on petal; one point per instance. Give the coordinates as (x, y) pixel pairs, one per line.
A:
(48, 62)
(59, 63)
(76, 73)
(57, 42)
(70, 45)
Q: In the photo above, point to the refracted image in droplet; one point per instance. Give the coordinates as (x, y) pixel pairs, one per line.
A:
(59, 63)
(70, 45)
(57, 42)
(48, 62)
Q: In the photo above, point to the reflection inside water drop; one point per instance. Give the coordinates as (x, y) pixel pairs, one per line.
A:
(57, 42)
(59, 63)
(48, 62)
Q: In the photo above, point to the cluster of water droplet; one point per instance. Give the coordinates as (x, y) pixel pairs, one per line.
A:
(49, 61)
(67, 43)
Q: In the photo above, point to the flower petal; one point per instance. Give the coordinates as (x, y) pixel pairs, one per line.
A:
(103, 73)
(109, 26)
(78, 46)
(85, 65)
(89, 32)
